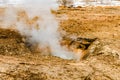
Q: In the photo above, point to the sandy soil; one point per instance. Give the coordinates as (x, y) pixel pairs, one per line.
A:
(18, 62)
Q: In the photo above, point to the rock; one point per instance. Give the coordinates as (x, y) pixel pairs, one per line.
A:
(103, 47)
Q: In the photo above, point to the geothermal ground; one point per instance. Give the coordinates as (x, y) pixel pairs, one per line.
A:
(94, 30)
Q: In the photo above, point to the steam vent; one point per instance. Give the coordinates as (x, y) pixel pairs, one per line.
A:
(59, 39)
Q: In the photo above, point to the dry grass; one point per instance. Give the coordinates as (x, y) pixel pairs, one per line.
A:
(102, 22)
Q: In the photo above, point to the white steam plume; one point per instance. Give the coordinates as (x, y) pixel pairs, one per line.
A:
(47, 34)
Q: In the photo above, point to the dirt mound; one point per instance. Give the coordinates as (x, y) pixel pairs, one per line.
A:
(12, 43)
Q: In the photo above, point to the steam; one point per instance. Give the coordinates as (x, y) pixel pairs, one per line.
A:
(46, 34)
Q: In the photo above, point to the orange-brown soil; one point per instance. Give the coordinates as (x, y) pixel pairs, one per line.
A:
(18, 62)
